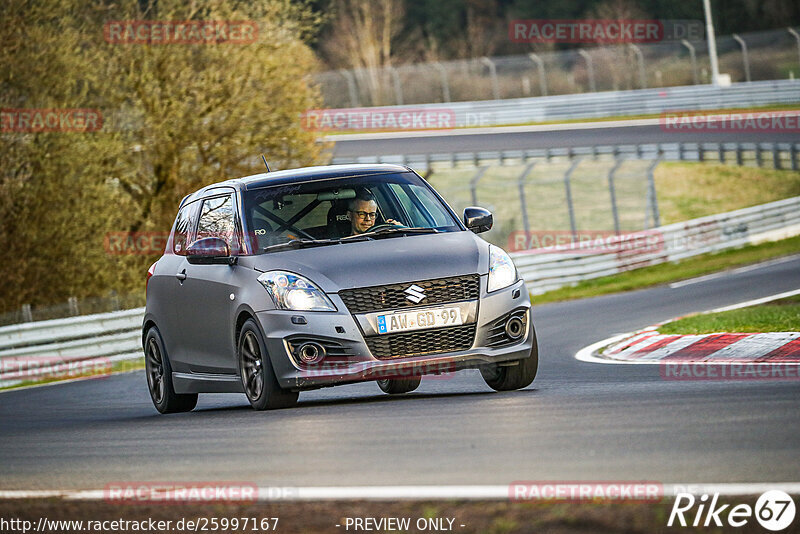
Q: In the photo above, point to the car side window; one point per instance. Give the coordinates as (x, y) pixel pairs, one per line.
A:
(216, 219)
(183, 227)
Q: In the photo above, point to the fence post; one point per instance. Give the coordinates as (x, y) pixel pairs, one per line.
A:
(540, 66)
(612, 191)
(721, 152)
(776, 156)
(523, 202)
(793, 156)
(652, 197)
(745, 57)
(351, 87)
(493, 72)
(759, 156)
(739, 155)
(590, 69)
(398, 88)
(701, 154)
(568, 190)
(27, 314)
(797, 38)
(73, 306)
(640, 58)
(473, 184)
(693, 55)
(445, 82)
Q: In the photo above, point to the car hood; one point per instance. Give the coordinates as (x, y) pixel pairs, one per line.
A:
(382, 261)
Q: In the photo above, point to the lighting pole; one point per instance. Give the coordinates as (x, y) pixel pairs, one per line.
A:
(712, 43)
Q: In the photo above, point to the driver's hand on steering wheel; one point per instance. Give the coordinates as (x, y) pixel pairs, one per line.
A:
(392, 221)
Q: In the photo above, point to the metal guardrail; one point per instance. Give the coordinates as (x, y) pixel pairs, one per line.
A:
(613, 103)
(776, 155)
(548, 269)
(117, 335)
(60, 347)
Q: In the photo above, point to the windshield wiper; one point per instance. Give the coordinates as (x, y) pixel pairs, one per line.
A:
(295, 244)
(299, 243)
(401, 231)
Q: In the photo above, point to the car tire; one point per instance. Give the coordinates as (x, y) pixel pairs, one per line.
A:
(511, 377)
(159, 377)
(255, 370)
(396, 386)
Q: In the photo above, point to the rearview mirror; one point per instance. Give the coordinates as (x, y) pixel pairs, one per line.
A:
(209, 250)
(478, 219)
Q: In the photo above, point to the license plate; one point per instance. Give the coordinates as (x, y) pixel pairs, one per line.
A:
(430, 318)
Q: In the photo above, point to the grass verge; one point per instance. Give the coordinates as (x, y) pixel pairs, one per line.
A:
(672, 272)
(778, 316)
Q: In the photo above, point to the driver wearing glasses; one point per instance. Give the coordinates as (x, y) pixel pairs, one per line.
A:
(363, 212)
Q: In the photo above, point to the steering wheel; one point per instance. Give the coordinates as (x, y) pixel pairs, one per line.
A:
(385, 225)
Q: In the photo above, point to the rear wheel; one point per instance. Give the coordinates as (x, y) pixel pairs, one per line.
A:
(519, 374)
(396, 386)
(159, 377)
(258, 378)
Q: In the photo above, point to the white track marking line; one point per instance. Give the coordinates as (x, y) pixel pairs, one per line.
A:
(755, 302)
(381, 493)
(738, 270)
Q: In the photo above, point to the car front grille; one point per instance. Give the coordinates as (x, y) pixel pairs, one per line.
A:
(455, 338)
(392, 297)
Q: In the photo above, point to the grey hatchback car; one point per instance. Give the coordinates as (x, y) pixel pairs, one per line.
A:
(299, 279)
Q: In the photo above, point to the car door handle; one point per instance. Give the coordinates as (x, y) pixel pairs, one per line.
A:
(181, 275)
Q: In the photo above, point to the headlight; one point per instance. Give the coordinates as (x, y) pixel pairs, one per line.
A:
(293, 292)
(502, 272)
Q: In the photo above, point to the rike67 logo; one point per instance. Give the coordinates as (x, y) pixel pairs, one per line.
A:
(774, 510)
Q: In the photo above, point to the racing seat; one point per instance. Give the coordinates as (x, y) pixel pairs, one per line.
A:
(262, 231)
(338, 222)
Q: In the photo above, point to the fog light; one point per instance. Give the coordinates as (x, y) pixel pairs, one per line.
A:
(515, 328)
(310, 352)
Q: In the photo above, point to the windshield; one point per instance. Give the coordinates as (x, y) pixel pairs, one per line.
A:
(340, 210)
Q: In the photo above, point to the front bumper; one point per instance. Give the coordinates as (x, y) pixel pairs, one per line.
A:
(347, 331)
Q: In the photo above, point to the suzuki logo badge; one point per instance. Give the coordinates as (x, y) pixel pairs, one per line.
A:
(414, 293)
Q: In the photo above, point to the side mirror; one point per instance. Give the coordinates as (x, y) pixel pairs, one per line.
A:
(209, 250)
(478, 219)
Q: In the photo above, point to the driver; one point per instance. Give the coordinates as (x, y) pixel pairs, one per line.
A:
(363, 212)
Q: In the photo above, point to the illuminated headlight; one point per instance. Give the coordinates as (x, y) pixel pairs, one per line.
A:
(502, 272)
(293, 292)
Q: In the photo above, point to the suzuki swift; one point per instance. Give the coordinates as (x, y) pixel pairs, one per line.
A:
(299, 279)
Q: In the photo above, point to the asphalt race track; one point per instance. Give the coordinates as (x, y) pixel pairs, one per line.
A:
(578, 421)
(569, 136)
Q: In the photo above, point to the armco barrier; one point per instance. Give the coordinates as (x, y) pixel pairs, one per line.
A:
(777, 220)
(117, 335)
(613, 103)
(111, 336)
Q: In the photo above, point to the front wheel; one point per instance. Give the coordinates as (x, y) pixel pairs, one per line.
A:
(159, 377)
(258, 378)
(515, 376)
(396, 386)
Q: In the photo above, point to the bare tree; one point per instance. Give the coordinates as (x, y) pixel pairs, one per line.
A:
(361, 37)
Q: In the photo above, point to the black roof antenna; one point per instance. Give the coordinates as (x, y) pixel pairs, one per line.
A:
(265, 162)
